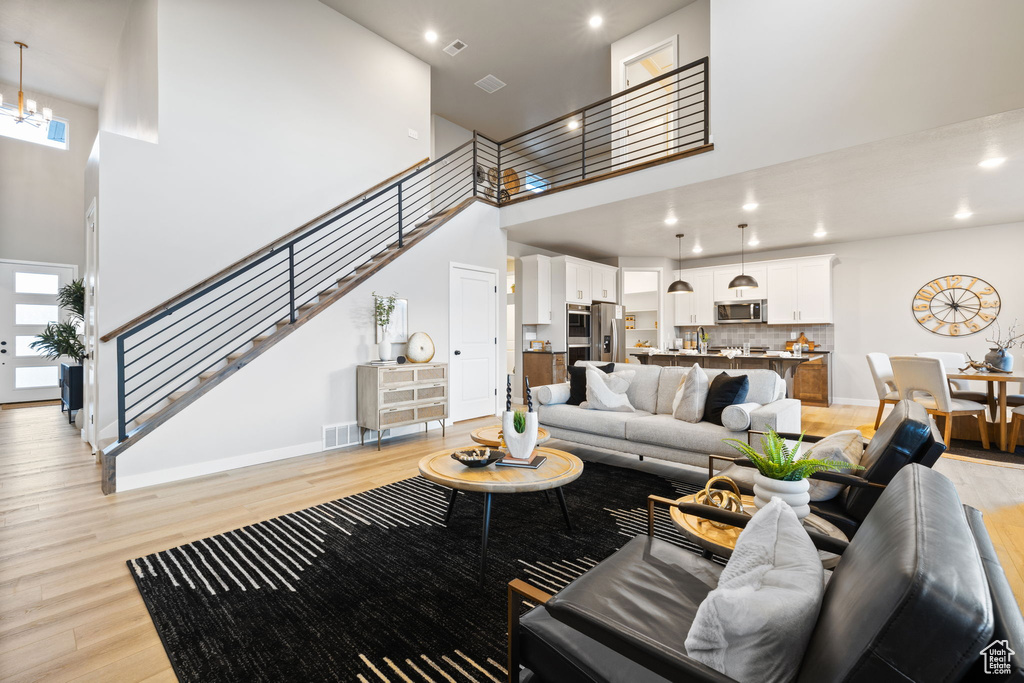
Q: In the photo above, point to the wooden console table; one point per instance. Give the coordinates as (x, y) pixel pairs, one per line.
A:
(390, 396)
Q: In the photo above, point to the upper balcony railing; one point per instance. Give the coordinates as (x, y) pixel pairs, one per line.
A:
(167, 350)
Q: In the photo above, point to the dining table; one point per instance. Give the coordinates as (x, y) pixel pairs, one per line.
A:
(997, 384)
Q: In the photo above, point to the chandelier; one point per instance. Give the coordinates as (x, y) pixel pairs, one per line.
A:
(27, 111)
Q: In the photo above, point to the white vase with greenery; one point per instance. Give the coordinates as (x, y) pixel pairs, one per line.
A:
(383, 308)
(782, 472)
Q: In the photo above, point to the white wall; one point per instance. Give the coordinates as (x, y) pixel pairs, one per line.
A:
(446, 136)
(41, 189)
(794, 78)
(690, 27)
(131, 97)
(270, 112)
(276, 406)
(874, 282)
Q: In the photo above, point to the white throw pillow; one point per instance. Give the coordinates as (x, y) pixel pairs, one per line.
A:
(607, 391)
(691, 395)
(736, 418)
(756, 624)
(846, 445)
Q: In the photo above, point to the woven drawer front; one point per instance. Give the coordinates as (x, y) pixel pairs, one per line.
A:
(435, 411)
(425, 374)
(390, 417)
(424, 393)
(398, 396)
(393, 376)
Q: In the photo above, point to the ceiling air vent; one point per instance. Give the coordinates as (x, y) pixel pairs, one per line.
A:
(490, 83)
(455, 47)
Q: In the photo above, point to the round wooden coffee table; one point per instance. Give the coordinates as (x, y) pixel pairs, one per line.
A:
(721, 542)
(559, 469)
(488, 436)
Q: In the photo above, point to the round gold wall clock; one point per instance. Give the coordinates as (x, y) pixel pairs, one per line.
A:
(956, 305)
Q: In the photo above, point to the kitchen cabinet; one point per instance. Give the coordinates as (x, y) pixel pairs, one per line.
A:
(536, 289)
(723, 276)
(697, 307)
(543, 368)
(578, 282)
(801, 291)
(604, 286)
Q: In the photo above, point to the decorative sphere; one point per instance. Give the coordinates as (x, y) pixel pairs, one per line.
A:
(420, 348)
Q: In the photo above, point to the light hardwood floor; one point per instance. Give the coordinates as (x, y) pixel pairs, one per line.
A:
(69, 609)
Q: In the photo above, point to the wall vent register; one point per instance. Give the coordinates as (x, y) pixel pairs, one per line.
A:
(490, 83)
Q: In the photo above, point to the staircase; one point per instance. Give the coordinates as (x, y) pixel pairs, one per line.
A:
(171, 355)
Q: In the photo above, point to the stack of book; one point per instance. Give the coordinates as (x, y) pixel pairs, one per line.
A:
(383, 362)
(535, 461)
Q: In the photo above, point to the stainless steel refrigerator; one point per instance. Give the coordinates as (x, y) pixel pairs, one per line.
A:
(607, 333)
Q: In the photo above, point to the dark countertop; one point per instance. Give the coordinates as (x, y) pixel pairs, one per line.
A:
(809, 355)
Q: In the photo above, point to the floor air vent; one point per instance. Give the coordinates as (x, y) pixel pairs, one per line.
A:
(339, 436)
(490, 83)
(455, 47)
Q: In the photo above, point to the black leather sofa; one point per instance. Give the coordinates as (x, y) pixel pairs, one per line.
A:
(916, 596)
(907, 436)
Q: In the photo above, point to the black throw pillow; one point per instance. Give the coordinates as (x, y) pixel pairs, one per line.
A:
(725, 390)
(578, 382)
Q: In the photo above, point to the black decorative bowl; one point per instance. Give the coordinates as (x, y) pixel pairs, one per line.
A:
(477, 457)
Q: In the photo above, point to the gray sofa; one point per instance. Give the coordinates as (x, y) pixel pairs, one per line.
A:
(652, 431)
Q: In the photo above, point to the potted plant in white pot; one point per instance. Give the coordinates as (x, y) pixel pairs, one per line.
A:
(782, 472)
(383, 308)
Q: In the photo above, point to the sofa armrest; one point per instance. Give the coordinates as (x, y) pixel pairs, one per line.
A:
(782, 416)
(549, 394)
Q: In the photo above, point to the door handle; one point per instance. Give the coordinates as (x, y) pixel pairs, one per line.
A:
(457, 352)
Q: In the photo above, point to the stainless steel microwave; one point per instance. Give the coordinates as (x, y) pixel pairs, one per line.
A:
(741, 311)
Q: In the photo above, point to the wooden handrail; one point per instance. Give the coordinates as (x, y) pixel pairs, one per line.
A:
(262, 250)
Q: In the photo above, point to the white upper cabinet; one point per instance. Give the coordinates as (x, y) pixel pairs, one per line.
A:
(696, 307)
(536, 290)
(605, 283)
(801, 291)
(578, 282)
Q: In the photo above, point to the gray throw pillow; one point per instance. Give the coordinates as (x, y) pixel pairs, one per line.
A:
(756, 624)
(692, 393)
(846, 445)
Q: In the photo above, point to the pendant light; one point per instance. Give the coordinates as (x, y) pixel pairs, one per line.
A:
(27, 111)
(742, 280)
(680, 286)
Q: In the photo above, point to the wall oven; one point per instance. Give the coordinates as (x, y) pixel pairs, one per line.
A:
(577, 333)
(741, 311)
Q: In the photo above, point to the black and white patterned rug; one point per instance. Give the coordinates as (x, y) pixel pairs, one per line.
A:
(375, 587)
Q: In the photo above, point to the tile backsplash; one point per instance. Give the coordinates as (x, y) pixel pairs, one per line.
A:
(772, 336)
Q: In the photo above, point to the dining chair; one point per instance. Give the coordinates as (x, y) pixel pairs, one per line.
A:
(1018, 420)
(951, 362)
(924, 380)
(885, 384)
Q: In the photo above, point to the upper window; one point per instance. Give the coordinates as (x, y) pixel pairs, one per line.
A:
(534, 183)
(54, 134)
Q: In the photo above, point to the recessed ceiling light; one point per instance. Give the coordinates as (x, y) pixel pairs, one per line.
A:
(431, 36)
(750, 206)
(753, 242)
(671, 220)
(963, 214)
(992, 162)
(697, 249)
(596, 21)
(574, 124)
(820, 232)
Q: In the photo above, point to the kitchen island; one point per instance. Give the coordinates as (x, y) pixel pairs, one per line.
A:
(807, 376)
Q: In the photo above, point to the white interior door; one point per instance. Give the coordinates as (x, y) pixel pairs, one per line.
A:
(645, 127)
(28, 301)
(473, 346)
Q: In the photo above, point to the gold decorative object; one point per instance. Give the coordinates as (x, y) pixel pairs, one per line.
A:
(510, 180)
(956, 305)
(720, 498)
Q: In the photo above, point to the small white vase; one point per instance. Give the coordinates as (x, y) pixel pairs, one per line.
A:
(795, 493)
(519, 445)
(385, 350)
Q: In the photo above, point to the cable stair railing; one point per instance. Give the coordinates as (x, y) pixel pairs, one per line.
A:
(177, 351)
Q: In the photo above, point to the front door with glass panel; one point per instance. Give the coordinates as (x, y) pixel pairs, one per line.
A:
(28, 301)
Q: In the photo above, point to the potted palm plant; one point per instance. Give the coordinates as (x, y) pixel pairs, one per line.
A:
(782, 472)
(63, 339)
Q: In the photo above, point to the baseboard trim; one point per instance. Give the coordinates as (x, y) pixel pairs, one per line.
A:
(130, 482)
